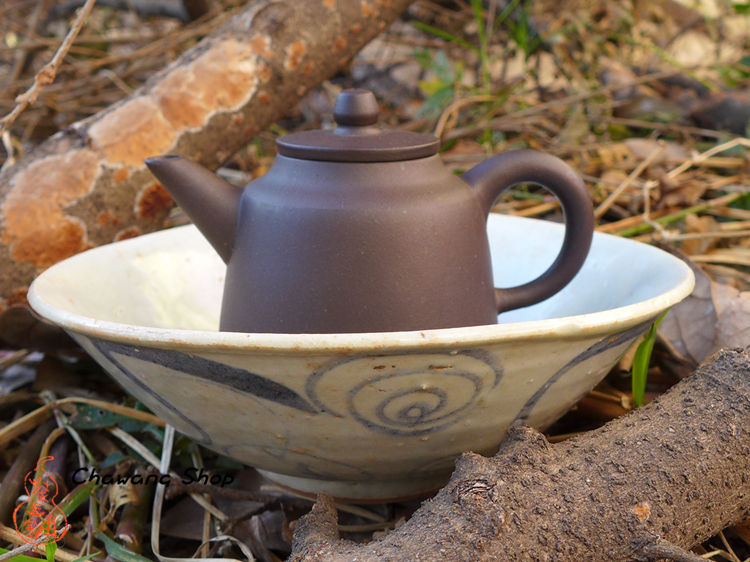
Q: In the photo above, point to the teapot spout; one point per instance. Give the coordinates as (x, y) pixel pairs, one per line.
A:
(210, 202)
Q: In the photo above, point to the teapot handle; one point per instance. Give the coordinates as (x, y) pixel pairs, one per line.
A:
(493, 176)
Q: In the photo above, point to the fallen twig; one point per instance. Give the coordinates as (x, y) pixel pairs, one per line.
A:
(609, 201)
(8, 534)
(48, 72)
(679, 215)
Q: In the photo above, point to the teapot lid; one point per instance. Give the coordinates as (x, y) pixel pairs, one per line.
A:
(357, 138)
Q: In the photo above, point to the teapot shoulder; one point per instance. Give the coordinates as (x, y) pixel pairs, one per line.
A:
(423, 181)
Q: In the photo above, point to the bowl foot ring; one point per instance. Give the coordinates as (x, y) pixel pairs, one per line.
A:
(371, 491)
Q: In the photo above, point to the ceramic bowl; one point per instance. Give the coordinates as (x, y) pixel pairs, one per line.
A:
(367, 416)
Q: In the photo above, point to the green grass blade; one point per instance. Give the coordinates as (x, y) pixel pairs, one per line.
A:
(641, 361)
(507, 11)
(88, 557)
(444, 35)
(478, 9)
(76, 497)
(119, 552)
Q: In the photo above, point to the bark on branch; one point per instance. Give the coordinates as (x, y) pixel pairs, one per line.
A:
(676, 471)
(87, 185)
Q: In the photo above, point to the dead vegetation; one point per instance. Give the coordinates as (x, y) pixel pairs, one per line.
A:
(647, 100)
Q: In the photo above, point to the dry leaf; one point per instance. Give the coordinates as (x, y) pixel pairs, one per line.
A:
(576, 128)
(183, 520)
(671, 153)
(691, 324)
(693, 48)
(730, 112)
(613, 177)
(733, 256)
(733, 309)
(548, 73)
(619, 76)
(650, 107)
(52, 374)
(612, 155)
(715, 316)
(265, 532)
(685, 192)
(728, 276)
(699, 225)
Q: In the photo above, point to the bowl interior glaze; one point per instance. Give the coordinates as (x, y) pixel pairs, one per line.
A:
(173, 280)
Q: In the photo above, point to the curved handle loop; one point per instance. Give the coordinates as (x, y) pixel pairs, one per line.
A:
(493, 176)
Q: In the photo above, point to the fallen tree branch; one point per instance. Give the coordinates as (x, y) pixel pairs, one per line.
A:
(87, 185)
(650, 484)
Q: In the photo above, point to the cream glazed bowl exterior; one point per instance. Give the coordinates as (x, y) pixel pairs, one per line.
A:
(366, 416)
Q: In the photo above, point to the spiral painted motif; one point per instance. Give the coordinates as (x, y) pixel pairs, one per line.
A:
(405, 395)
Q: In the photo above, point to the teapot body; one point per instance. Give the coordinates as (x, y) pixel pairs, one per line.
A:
(363, 229)
(325, 247)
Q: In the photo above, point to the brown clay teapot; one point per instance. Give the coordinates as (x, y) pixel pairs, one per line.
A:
(361, 229)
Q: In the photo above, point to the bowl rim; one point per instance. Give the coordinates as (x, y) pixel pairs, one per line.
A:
(606, 322)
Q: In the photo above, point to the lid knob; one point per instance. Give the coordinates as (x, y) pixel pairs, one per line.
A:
(356, 108)
(357, 138)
